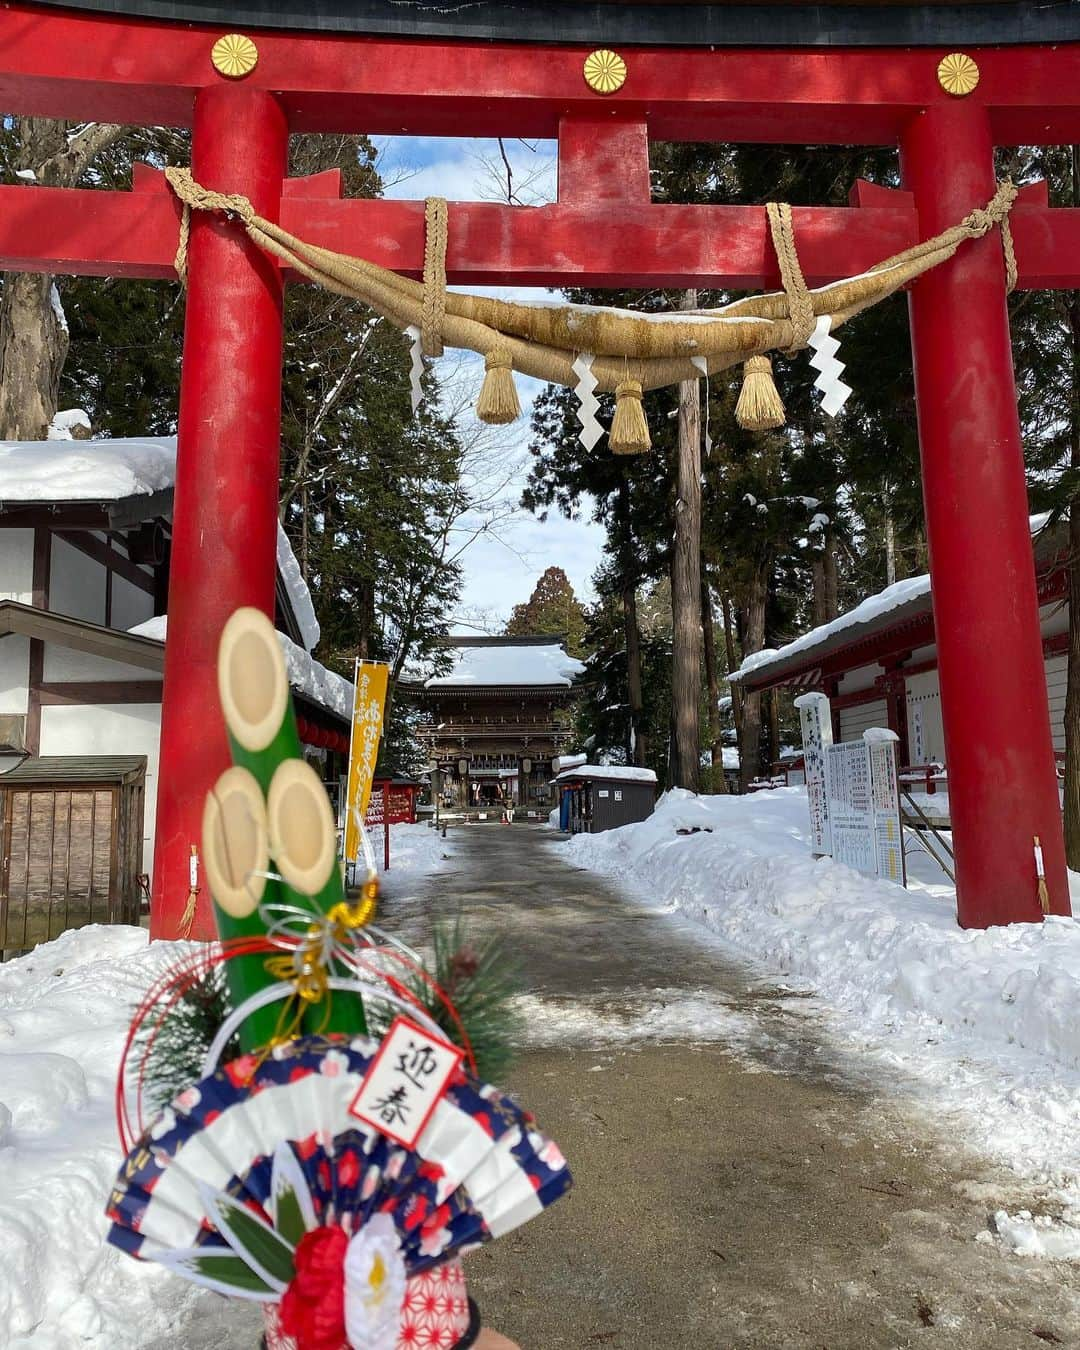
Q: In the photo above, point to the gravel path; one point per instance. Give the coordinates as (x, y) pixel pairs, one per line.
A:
(740, 1180)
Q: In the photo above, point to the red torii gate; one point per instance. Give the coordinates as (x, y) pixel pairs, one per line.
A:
(604, 230)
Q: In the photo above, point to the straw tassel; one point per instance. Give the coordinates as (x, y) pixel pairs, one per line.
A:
(760, 407)
(629, 434)
(498, 402)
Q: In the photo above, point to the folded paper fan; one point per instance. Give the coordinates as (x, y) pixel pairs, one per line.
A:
(262, 1168)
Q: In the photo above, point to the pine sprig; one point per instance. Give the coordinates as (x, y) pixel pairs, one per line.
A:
(481, 982)
(175, 1049)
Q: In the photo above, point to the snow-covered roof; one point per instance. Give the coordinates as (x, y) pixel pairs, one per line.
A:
(66, 470)
(509, 662)
(306, 675)
(895, 604)
(86, 471)
(620, 772)
(297, 588)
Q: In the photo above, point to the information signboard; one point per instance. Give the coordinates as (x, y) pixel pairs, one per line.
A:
(817, 735)
(853, 794)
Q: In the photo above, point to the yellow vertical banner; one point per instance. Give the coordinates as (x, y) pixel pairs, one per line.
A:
(367, 721)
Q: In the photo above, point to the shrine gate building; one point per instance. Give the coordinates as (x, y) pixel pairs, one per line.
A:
(496, 719)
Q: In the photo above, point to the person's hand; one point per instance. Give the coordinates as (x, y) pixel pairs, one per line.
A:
(491, 1340)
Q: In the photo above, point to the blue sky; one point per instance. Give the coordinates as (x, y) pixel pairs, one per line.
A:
(500, 572)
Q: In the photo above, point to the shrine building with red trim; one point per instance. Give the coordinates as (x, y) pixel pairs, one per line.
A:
(878, 663)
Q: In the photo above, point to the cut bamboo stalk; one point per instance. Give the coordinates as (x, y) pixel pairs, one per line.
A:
(236, 858)
(261, 725)
(303, 841)
(254, 689)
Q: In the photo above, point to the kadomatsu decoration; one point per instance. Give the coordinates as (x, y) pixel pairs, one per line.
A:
(333, 1176)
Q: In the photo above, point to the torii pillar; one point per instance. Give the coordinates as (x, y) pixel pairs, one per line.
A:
(225, 516)
(1003, 788)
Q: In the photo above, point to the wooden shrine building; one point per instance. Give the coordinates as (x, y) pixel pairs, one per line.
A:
(85, 555)
(878, 663)
(496, 719)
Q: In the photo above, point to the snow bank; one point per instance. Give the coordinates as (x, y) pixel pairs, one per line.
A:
(415, 850)
(989, 1021)
(64, 1011)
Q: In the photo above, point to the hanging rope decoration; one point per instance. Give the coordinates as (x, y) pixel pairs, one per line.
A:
(619, 351)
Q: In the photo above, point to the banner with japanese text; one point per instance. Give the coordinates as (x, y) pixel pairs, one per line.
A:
(371, 680)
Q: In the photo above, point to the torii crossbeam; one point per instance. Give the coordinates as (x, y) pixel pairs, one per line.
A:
(603, 230)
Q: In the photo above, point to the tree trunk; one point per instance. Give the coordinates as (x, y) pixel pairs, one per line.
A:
(636, 746)
(686, 588)
(33, 348)
(732, 663)
(890, 545)
(33, 332)
(753, 641)
(637, 739)
(825, 582)
(712, 683)
(1072, 694)
(774, 728)
(365, 619)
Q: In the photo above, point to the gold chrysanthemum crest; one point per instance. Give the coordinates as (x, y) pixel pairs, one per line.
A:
(958, 74)
(234, 55)
(605, 71)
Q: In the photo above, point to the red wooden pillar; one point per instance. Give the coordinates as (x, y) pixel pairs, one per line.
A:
(1002, 782)
(225, 510)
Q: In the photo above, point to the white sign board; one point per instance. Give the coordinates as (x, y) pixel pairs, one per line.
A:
(817, 735)
(864, 808)
(405, 1082)
(853, 794)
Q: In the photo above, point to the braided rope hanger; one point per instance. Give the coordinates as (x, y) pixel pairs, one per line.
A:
(628, 352)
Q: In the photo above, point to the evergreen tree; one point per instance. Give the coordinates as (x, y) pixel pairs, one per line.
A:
(552, 608)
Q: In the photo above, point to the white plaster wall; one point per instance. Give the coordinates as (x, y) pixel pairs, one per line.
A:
(17, 566)
(76, 583)
(14, 672)
(62, 663)
(926, 734)
(110, 729)
(854, 721)
(862, 677)
(130, 605)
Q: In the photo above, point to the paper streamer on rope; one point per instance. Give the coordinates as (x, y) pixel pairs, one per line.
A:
(835, 392)
(416, 367)
(588, 403)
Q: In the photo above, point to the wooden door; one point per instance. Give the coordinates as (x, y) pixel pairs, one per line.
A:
(61, 864)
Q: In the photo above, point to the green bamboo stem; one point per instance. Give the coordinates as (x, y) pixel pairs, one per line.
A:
(261, 725)
(235, 853)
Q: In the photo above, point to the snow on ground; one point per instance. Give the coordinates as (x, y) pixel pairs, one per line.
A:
(64, 1013)
(415, 850)
(64, 1010)
(984, 1024)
